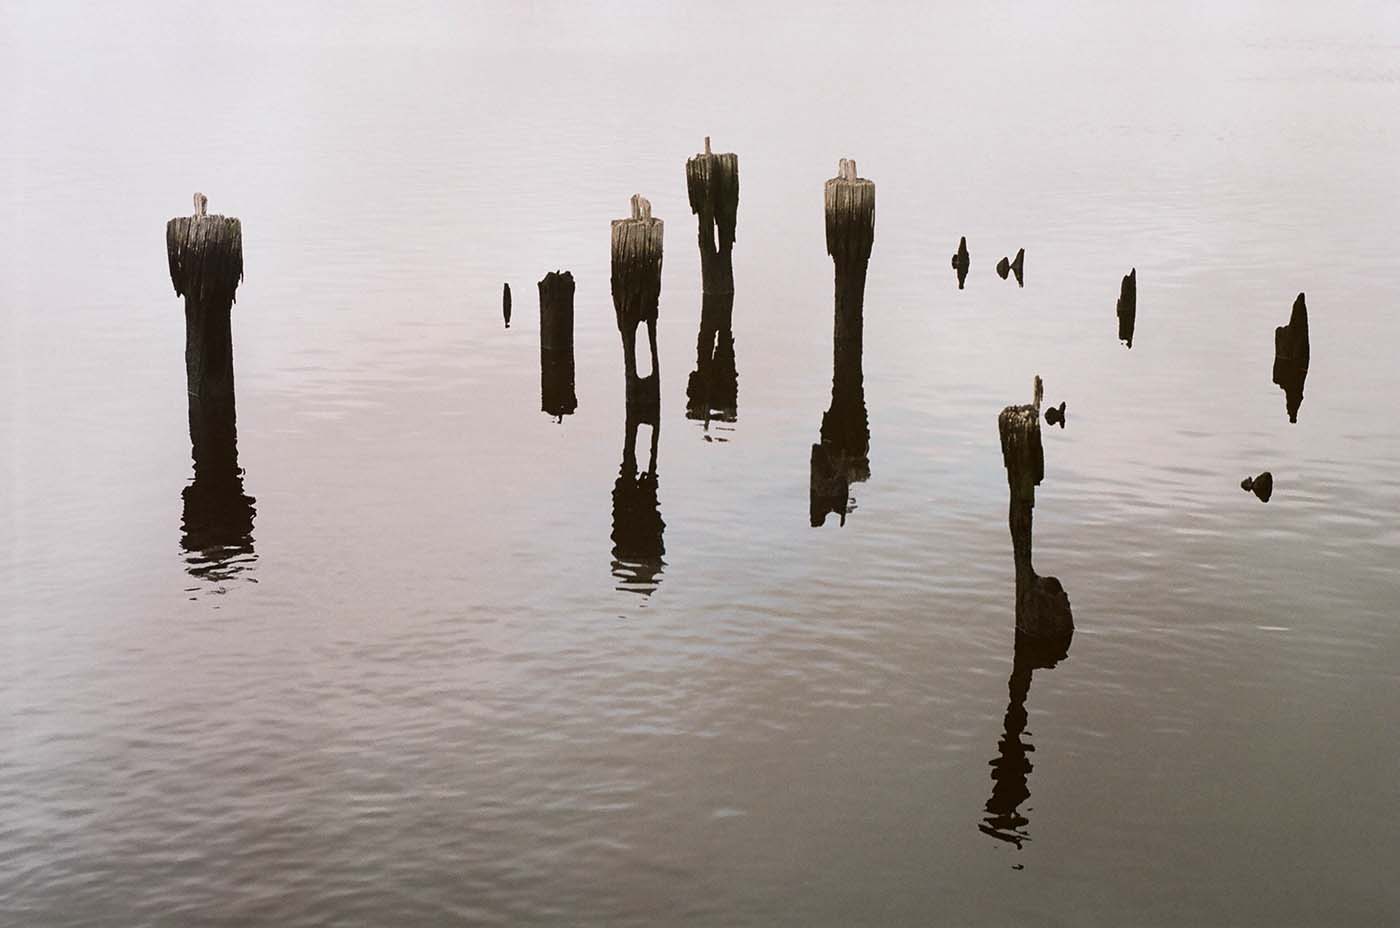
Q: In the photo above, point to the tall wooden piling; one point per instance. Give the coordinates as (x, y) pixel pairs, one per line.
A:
(636, 291)
(712, 181)
(1042, 608)
(557, 396)
(206, 267)
(850, 235)
(713, 184)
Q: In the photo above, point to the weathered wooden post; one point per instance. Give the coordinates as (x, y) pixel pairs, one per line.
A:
(1006, 266)
(505, 304)
(713, 184)
(638, 531)
(843, 454)
(1042, 607)
(636, 290)
(1127, 307)
(1292, 352)
(961, 261)
(557, 395)
(206, 266)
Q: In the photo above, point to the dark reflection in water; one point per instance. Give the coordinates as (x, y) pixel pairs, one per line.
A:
(1291, 354)
(1005, 819)
(637, 527)
(843, 455)
(712, 392)
(217, 523)
(1127, 308)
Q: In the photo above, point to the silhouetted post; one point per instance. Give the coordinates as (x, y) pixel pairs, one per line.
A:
(1127, 307)
(206, 266)
(1042, 608)
(713, 184)
(1006, 266)
(557, 396)
(636, 290)
(505, 304)
(961, 261)
(850, 235)
(1291, 355)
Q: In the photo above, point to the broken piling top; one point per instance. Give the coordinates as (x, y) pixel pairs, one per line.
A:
(636, 264)
(1021, 450)
(713, 184)
(850, 214)
(1291, 341)
(206, 254)
(557, 311)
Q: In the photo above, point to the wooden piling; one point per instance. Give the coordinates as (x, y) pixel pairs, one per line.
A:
(961, 261)
(1042, 608)
(712, 391)
(1127, 307)
(636, 290)
(850, 236)
(505, 304)
(206, 267)
(1292, 352)
(557, 396)
(713, 184)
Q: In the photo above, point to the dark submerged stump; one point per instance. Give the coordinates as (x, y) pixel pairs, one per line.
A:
(206, 267)
(1291, 355)
(637, 527)
(1042, 607)
(962, 261)
(636, 290)
(505, 304)
(712, 182)
(1018, 267)
(1127, 307)
(1055, 415)
(850, 235)
(557, 396)
(1003, 267)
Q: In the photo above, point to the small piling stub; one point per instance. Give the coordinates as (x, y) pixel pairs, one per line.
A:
(557, 394)
(1018, 267)
(206, 267)
(636, 291)
(712, 181)
(1292, 352)
(1042, 607)
(1127, 307)
(505, 303)
(962, 261)
(1004, 267)
(1261, 486)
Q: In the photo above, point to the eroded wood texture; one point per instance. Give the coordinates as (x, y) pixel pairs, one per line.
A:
(206, 267)
(712, 181)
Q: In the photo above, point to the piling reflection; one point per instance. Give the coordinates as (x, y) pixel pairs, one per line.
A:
(961, 261)
(217, 522)
(637, 527)
(1005, 820)
(712, 393)
(1291, 356)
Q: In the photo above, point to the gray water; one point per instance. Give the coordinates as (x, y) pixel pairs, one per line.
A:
(421, 692)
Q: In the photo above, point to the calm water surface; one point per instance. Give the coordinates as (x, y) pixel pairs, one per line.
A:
(419, 690)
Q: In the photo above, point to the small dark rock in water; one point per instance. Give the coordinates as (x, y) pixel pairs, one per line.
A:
(1261, 486)
(505, 305)
(1018, 267)
(1291, 351)
(961, 261)
(1056, 415)
(1003, 267)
